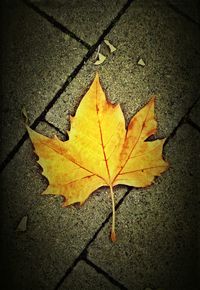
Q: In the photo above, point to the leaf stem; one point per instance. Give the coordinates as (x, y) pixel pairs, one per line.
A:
(113, 234)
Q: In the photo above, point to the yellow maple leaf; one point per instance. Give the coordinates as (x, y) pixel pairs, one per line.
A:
(100, 152)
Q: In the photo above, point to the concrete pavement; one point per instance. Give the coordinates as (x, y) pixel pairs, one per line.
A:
(48, 56)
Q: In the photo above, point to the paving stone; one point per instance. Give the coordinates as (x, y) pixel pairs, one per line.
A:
(188, 7)
(157, 244)
(55, 236)
(87, 19)
(35, 61)
(167, 44)
(84, 276)
(195, 114)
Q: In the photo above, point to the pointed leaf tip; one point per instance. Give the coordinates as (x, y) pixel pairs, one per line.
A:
(29, 130)
(152, 100)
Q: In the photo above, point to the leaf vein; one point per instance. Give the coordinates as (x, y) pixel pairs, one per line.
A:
(71, 160)
(152, 167)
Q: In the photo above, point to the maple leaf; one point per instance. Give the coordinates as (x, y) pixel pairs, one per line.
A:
(100, 152)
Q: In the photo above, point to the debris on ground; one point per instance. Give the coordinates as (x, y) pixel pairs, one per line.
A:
(111, 47)
(101, 59)
(25, 115)
(141, 62)
(22, 226)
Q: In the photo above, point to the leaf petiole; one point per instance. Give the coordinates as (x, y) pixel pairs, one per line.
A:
(113, 234)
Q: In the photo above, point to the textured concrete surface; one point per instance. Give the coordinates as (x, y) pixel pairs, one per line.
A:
(84, 276)
(195, 114)
(188, 7)
(55, 236)
(92, 16)
(35, 61)
(157, 227)
(169, 48)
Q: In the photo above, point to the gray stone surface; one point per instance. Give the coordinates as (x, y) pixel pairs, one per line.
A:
(157, 227)
(87, 19)
(168, 45)
(84, 276)
(188, 7)
(195, 114)
(36, 59)
(55, 236)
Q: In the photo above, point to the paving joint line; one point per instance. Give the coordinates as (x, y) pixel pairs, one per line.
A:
(56, 24)
(182, 121)
(12, 153)
(193, 124)
(56, 128)
(69, 79)
(174, 131)
(183, 14)
(41, 117)
(83, 255)
(105, 274)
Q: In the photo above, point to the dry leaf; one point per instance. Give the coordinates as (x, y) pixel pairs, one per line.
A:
(101, 59)
(22, 224)
(100, 152)
(141, 62)
(111, 47)
(25, 115)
